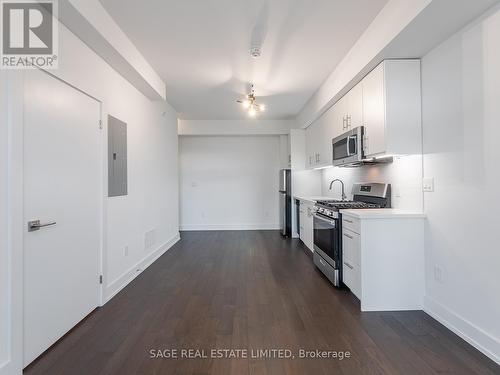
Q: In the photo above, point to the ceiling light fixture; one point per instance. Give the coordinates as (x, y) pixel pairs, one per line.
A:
(250, 104)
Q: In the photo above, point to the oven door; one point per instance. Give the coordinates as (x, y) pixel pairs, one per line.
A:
(327, 239)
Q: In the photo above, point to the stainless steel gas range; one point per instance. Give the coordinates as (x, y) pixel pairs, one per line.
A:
(327, 225)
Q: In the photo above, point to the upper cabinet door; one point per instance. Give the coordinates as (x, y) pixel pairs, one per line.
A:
(355, 107)
(308, 146)
(341, 109)
(374, 111)
(324, 137)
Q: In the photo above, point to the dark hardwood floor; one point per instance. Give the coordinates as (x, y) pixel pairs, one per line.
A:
(251, 290)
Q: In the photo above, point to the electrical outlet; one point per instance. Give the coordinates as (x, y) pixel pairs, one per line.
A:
(149, 239)
(194, 184)
(428, 184)
(396, 191)
(438, 274)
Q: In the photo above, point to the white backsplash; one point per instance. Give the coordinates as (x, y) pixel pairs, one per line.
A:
(404, 175)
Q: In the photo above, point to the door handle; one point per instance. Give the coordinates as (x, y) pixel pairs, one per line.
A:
(35, 225)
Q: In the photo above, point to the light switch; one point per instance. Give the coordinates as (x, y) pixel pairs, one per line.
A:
(428, 184)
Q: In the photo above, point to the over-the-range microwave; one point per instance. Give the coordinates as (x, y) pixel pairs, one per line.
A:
(348, 148)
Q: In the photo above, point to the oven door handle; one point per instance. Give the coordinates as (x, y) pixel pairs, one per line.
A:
(331, 222)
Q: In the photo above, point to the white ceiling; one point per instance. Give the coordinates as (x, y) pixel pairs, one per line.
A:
(201, 48)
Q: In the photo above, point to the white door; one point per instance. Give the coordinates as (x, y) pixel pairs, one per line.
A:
(62, 184)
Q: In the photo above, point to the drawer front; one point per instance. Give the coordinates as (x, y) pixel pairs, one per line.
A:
(347, 275)
(325, 268)
(351, 263)
(351, 224)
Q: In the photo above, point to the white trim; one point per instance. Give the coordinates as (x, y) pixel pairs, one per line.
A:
(194, 227)
(15, 225)
(477, 337)
(122, 281)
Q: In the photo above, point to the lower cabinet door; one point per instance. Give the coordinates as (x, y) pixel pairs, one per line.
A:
(351, 265)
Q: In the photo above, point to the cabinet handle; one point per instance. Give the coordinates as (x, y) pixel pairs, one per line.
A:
(348, 221)
(348, 265)
(348, 236)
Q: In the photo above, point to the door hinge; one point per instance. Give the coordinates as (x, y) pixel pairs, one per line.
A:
(100, 124)
(100, 279)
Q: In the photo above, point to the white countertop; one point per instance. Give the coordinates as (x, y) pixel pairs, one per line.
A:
(382, 213)
(312, 199)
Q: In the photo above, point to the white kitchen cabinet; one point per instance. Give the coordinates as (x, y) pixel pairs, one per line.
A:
(340, 109)
(351, 259)
(383, 259)
(306, 224)
(392, 109)
(311, 146)
(386, 102)
(319, 140)
(326, 131)
(350, 110)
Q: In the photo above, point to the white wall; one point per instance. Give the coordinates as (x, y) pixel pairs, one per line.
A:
(152, 200)
(461, 117)
(4, 262)
(404, 175)
(235, 127)
(229, 182)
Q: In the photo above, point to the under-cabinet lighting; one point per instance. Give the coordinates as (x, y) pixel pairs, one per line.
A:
(326, 167)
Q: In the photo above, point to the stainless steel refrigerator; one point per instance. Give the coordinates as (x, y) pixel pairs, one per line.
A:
(285, 191)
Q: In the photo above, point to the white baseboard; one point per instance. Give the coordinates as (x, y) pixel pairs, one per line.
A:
(192, 227)
(478, 338)
(122, 281)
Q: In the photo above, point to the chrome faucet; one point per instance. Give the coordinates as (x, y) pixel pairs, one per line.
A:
(344, 197)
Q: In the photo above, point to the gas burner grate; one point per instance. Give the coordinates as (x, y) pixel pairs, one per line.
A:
(345, 204)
